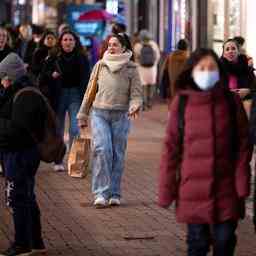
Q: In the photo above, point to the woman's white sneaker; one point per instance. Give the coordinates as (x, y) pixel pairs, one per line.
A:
(114, 202)
(100, 202)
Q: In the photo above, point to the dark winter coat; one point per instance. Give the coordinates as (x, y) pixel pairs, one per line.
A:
(29, 50)
(20, 119)
(213, 186)
(75, 72)
(38, 59)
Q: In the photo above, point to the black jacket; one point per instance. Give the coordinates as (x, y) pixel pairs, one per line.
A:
(38, 59)
(29, 50)
(75, 72)
(5, 52)
(20, 119)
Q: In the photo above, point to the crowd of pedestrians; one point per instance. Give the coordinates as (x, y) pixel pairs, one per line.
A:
(205, 166)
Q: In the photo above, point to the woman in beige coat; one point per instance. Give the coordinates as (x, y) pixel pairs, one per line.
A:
(119, 97)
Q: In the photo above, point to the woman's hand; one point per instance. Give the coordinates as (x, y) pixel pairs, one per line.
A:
(55, 75)
(133, 113)
(243, 92)
(82, 123)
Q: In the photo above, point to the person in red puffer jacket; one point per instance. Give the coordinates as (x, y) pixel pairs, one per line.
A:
(209, 179)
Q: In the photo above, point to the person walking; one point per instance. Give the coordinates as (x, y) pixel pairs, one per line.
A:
(118, 98)
(147, 55)
(68, 73)
(4, 47)
(25, 45)
(46, 43)
(205, 166)
(19, 154)
(241, 78)
(174, 64)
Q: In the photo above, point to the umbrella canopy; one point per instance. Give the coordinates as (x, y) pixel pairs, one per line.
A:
(99, 15)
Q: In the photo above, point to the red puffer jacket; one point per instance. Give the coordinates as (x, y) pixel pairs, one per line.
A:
(212, 185)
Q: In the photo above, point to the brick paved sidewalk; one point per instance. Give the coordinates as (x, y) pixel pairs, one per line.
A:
(71, 226)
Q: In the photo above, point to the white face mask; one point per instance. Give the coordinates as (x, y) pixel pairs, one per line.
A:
(206, 80)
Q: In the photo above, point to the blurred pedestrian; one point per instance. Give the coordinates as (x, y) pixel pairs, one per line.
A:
(25, 45)
(241, 78)
(118, 98)
(147, 55)
(68, 72)
(46, 43)
(20, 156)
(205, 166)
(4, 47)
(174, 64)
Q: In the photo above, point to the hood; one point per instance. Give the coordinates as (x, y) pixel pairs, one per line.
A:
(179, 55)
(13, 67)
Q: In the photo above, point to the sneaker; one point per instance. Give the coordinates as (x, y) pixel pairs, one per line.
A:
(16, 251)
(114, 202)
(59, 168)
(100, 202)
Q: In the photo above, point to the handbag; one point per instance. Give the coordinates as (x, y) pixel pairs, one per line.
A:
(79, 157)
(90, 94)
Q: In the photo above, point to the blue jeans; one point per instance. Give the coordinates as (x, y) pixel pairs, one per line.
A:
(110, 130)
(69, 101)
(20, 170)
(223, 234)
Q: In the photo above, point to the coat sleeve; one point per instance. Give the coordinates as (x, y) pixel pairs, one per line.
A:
(244, 156)
(135, 91)
(168, 185)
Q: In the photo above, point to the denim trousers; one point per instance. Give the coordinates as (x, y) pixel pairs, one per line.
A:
(20, 170)
(110, 130)
(223, 239)
(69, 101)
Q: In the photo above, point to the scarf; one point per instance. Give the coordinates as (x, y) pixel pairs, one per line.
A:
(116, 61)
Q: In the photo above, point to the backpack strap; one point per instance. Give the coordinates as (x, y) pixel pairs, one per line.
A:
(181, 120)
(181, 127)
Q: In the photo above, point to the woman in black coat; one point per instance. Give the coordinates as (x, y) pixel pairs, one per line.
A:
(67, 73)
(46, 44)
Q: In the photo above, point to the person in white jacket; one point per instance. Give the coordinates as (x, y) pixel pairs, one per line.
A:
(147, 55)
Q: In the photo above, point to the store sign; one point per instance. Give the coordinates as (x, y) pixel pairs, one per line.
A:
(112, 6)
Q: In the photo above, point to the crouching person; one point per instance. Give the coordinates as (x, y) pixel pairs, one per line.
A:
(205, 165)
(19, 118)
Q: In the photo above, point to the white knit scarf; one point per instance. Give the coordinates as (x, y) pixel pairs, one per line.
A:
(116, 61)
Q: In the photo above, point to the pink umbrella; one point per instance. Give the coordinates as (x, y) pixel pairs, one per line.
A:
(95, 15)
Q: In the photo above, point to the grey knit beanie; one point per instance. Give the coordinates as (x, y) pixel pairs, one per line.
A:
(12, 66)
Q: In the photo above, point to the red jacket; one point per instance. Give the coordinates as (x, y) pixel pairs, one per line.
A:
(212, 185)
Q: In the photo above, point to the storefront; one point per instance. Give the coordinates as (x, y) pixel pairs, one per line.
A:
(225, 19)
(181, 21)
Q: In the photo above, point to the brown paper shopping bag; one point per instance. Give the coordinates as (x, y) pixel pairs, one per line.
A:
(79, 157)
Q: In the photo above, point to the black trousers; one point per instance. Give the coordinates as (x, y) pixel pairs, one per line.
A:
(20, 170)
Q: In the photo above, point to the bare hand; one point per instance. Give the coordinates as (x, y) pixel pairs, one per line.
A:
(243, 92)
(55, 75)
(133, 113)
(82, 123)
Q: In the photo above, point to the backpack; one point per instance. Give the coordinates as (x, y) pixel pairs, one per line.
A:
(52, 147)
(147, 56)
